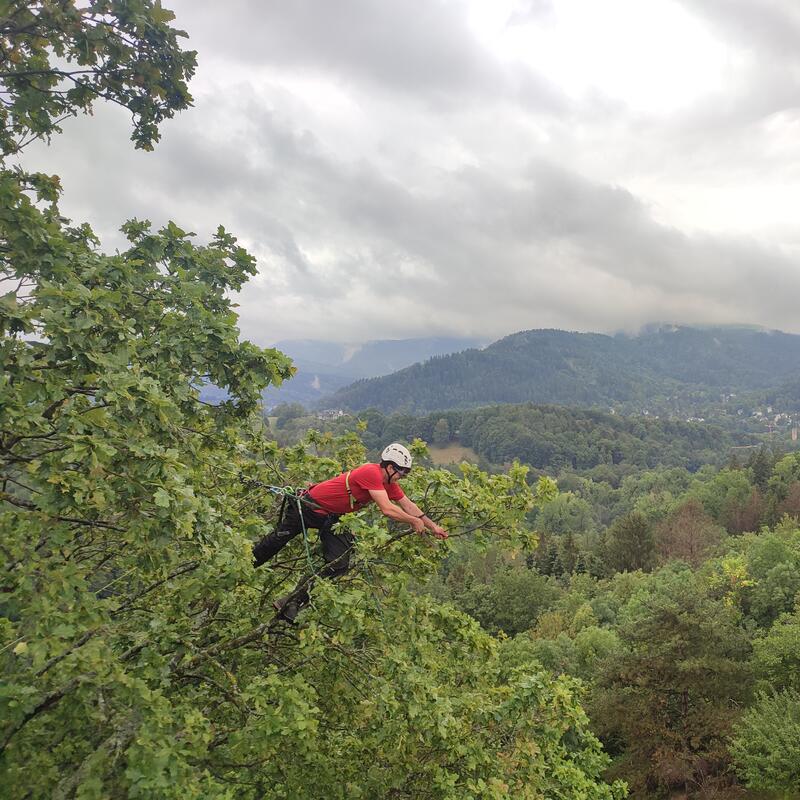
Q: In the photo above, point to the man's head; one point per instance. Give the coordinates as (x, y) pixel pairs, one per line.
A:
(396, 460)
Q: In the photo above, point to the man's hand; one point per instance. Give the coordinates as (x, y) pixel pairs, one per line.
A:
(418, 525)
(438, 531)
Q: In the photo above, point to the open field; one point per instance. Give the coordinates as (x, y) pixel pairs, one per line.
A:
(452, 454)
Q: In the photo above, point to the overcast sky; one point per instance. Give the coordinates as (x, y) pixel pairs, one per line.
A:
(475, 167)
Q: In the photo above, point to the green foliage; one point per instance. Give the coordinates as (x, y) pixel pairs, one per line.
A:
(179, 672)
(120, 519)
(286, 412)
(557, 438)
(776, 654)
(760, 463)
(783, 488)
(510, 600)
(656, 696)
(56, 59)
(664, 482)
(579, 655)
(665, 656)
(767, 742)
(728, 499)
(630, 544)
(666, 660)
(773, 567)
(601, 446)
(441, 432)
(139, 653)
(566, 513)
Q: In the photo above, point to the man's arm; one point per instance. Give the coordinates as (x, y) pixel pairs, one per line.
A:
(393, 511)
(410, 507)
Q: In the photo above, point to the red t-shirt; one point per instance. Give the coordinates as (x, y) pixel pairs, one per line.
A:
(333, 497)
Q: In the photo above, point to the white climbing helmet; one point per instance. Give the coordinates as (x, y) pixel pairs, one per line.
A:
(398, 455)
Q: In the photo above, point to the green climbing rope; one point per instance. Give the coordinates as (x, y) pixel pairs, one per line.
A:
(296, 495)
(289, 492)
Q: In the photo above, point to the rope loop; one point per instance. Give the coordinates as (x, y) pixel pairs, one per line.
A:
(297, 496)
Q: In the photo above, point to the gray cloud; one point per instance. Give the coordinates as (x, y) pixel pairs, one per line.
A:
(395, 178)
(770, 27)
(402, 44)
(766, 34)
(422, 49)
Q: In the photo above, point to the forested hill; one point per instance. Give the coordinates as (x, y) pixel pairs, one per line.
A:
(667, 364)
(324, 367)
(554, 437)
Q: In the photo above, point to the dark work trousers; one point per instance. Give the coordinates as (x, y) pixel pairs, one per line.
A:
(336, 545)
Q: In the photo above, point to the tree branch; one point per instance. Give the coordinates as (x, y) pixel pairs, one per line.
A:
(47, 702)
(189, 567)
(55, 660)
(14, 501)
(115, 743)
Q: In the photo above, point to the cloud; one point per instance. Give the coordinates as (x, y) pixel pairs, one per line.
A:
(397, 173)
(403, 45)
(770, 27)
(426, 51)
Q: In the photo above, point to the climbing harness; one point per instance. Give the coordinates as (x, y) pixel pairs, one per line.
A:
(298, 496)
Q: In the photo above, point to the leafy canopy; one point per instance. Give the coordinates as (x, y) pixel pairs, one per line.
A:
(58, 56)
(138, 651)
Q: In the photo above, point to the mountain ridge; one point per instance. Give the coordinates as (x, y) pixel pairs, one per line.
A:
(586, 369)
(324, 367)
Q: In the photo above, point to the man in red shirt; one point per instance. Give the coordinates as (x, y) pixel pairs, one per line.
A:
(325, 502)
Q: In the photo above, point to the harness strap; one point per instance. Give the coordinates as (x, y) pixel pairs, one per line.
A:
(349, 493)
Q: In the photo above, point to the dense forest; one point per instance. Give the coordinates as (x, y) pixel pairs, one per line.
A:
(682, 625)
(672, 595)
(621, 619)
(548, 438)
(666, 370)
(689, 661)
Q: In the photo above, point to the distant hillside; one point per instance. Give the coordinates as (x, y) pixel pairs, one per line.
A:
(668, 364)
(369, 359)
(555, 437)
(786, 397)
(323, 367)
(551, 438)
